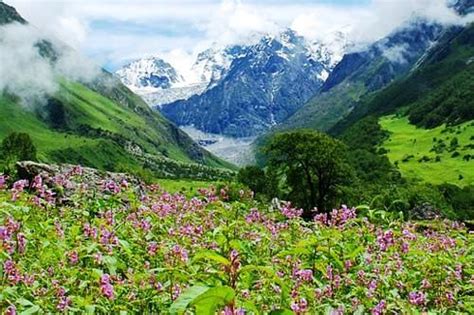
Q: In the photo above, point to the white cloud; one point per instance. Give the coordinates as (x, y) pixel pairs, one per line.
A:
(234, 22)
(224, 22)
(396, 53)
(370, 23)
(30, 76)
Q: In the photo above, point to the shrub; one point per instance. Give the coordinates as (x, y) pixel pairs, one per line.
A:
(16, 147)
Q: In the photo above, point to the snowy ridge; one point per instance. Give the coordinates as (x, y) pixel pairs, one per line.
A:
(159, 83)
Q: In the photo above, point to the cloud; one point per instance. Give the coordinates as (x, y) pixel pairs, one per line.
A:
(25, 71)
(372, 22)
(396, 53)
(235, 22)
(115, 31)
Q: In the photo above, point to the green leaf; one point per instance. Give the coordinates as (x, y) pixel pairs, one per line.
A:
(181, 304)
(32, 310)
(111, 263)
(210, 255)
(210, 301)
(360, 310)
(90, 309)
(24, 302)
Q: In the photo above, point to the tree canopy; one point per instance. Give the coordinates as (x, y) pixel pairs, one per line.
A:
(311, 165)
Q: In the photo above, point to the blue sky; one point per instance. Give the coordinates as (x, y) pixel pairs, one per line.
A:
(113, 32)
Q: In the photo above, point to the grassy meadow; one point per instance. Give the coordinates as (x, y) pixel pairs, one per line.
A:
(428, 154)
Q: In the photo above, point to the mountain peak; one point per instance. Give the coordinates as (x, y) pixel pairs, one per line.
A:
(9, 14)
(150, 72)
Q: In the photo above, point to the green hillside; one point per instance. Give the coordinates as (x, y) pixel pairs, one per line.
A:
(102, 124)
(78, 125)
(360, 75)
(439, 90)
(438, 155)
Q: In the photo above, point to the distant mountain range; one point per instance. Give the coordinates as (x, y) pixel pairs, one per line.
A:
(241, 90)
(282, 81)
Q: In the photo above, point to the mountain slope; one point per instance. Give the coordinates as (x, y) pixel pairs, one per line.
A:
(261, 88)
(99, 123)
(363, 73)
(423, 122)
(440, 90)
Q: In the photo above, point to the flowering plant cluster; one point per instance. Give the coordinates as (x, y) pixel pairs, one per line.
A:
(113, 247)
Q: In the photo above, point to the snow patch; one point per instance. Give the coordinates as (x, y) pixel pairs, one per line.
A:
(238, 151)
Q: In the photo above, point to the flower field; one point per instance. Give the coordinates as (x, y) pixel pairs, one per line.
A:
(67, 245)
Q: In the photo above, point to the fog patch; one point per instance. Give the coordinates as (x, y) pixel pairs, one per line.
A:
(32, 64)
(396, 54)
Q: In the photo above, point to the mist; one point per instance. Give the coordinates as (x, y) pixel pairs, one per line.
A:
(27, 71)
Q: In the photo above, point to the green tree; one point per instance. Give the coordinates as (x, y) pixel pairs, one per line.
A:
(311, 164)
(258, 181)
(17, 147)
(253, 177)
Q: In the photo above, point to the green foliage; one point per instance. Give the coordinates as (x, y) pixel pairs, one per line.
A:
(452, 103)
(311, 164)
(366, 134)
(16, 147)
(143, 250)
(259, 181)
(462, 198)
(421, 156)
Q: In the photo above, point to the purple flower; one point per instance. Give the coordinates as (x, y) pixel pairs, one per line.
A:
(3, 181)
(254, 216)
(303, 275)
(106, 287)
(337, 217)
(385, 240)
(59, 229)
(73, 257)
(11, 310)
(11, 271)
(379, 308)
(299, 306)
(329, 272)
(289, 212)
(111, 187)
(417, 298)
(63, 304)
(18, 188)
(37, 183)
(21, 239)
(450, 297)
(152, 248)
(176, 292)
(178, 252)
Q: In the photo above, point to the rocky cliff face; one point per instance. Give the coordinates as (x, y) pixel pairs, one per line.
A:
(266, 84)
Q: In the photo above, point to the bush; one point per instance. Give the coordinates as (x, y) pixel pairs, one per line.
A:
(16, 147)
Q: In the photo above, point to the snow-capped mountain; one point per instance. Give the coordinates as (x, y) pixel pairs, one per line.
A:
(213, 63)
(158, 82)
(332, 49)
(150, 73)
(262, 85)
